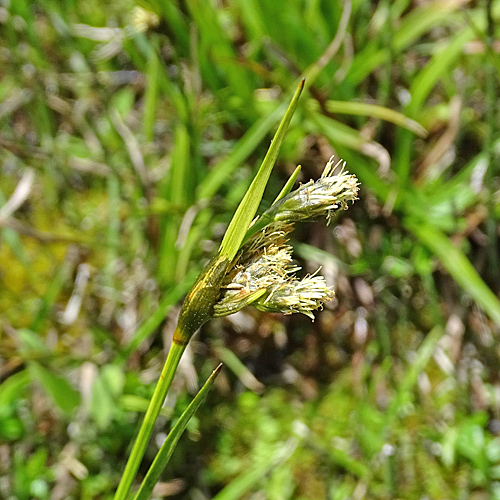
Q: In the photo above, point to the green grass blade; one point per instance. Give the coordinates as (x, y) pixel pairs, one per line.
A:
(412, 26)
(250, 203)
(172, 15)
(340, 457)
(177, 192)
(234, 364)
(458, 265)
(138, 404)
(12, 239)
(318, 256)
(344, 135)
(346, 139)
(64, 395)
(260, 222)
(424, 354)
(289, 184)
(425, 81)
(437, 68)
(151, 95)
(312, 72)
(219, 50)
(245, 481)
(154, 408)
(168, 446)
(376, 111)
(48, 300)
(113, 232)
(12, 387)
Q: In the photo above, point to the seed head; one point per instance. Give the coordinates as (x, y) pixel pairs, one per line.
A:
(143, 20)
(261, 263)
(317, 199)
(296, 296)
(263, 273)
(263, 276)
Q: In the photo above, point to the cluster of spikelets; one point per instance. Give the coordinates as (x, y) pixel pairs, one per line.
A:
(263, 273)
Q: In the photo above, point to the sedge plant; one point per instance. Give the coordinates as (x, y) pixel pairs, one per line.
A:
(252, 267)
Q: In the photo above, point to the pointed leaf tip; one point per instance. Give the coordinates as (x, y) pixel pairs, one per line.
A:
(248, 207)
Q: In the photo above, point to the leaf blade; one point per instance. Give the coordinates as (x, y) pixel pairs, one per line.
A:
(458, 265)
(250, 203)
(61, 391)
(168, 446)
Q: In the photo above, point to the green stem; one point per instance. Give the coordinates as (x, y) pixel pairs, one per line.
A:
(168, 446)
(134, 460)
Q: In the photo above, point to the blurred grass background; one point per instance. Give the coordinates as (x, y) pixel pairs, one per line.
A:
(128, 134)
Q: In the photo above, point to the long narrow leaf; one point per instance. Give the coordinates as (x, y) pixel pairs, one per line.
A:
(248, 207)
(458, 265)
(154, 408)
(168, 446)
(424, 354)
(260, 222)
(412, 26)
(64, 395)
(248, 479)
(436, 69)
(233, 363)
(376, 111)
(289, 184)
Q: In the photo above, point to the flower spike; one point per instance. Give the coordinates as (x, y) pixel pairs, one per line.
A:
(262, 273)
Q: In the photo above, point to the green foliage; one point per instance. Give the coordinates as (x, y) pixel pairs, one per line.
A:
(167, 448)
(142, 145)
(106, 390)
(65, 397)
(246, 210)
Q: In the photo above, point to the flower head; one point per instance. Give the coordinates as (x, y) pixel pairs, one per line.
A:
(143, 20)
(262, 273)
(317, 199)
(262, 262)
(296, 296)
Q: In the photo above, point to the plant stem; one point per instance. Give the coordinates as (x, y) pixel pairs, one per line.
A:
(134, 460)
(168, 446)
